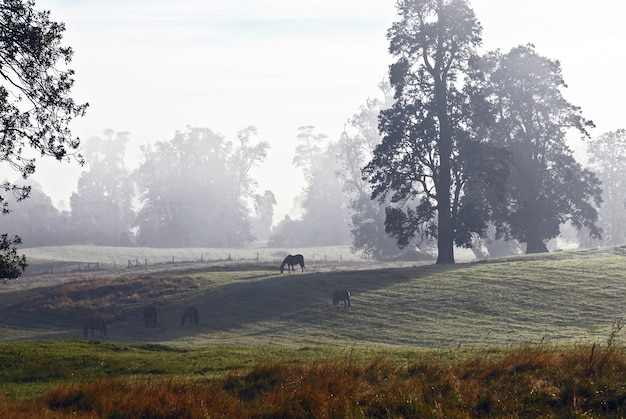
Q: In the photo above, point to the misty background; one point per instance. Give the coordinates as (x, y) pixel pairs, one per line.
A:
(284, 97)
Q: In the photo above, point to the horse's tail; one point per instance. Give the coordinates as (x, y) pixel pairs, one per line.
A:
(348, 297)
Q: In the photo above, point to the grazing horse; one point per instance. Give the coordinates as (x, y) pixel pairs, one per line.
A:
(95, 323)
(190, 313)
(291, 261)
(341, 295)
(150, 315)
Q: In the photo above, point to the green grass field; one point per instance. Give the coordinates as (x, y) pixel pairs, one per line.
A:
(528, 335)
(563, 296)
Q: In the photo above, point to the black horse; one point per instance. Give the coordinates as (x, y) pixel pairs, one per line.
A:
(291, 261)
(341, 295)
(150, 315)
(95, 323)
(190, 313)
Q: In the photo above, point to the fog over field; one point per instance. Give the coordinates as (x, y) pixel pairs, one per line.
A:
(155, 68)
(293, 125)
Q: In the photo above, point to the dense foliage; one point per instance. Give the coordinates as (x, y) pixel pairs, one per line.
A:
(35, 103)
(521, 110)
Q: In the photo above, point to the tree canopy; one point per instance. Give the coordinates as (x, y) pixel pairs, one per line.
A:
(524, 112)
(35, 103)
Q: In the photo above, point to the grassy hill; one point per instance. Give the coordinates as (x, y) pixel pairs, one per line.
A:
(563, 296)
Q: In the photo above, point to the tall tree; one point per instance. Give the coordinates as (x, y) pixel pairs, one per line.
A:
(35, 103)
(607, 158)
(102, 206)
(309, 149)
(423, 132)
(524, 111)
(245, 157)
(263, 215)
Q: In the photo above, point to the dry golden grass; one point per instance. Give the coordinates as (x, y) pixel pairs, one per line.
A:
(530, 381)
(106, 296)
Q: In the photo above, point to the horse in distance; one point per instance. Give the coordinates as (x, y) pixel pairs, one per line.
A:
(95, 323)
(341, 295)
(150, 315)
(190, 313)
(291, 261)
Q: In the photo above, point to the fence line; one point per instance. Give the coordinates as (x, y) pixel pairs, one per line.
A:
(136, 263)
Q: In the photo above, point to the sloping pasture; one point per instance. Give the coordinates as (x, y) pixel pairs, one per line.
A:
(559, 297)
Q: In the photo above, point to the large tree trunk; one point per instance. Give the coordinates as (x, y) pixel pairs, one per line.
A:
(445, 236)
(445, 243)
(534, 244)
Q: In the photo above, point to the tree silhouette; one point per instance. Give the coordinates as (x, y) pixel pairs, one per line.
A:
(418, 160)
(35, 103)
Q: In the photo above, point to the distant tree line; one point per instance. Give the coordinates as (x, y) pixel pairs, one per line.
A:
(460, 149)
(194, 190)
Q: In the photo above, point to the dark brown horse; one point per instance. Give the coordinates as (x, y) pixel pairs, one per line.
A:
(95, 323)
(341, 295)
(150, 315)
(291, 261)
(190, 313)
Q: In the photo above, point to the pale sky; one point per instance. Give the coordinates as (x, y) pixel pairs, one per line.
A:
(154, 67)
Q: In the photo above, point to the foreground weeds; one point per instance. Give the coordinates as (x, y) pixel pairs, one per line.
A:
(528, 381)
